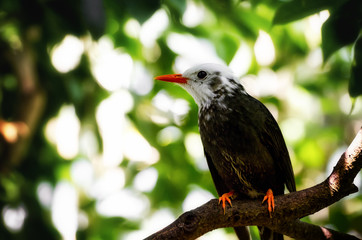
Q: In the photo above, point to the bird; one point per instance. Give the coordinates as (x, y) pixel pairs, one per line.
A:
(243, 144)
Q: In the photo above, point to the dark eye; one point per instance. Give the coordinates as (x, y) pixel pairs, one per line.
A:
(201, 74)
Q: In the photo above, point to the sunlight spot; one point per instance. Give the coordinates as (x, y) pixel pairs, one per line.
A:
(63, 131)
(345, 104)
(324, 15)
(333, 159)
(159, 119)
(168, 135)
(159, 219)
(121, 100)
(312, 32)
(194, 147)
(111, 67)
(153, 28)
(268, 83)
(162, 101)
(193, 15)
(66, 55)
(137, 149)
(132, 28)
(320, 216)
(150, 225)
(273, 110)
(49, 131)
(11, 131)
(179, 109)
(142, 81)
(192, 51)
(146, 180)
(67, 132)
(303, 104)
(83, 220)
(14, 217)
(218, 234)
(352, 204)
(125, 203)
(45, 194)
(315, 58)
(175, 108)
(357, 110)
(264, 49)
(112, 124)
(65, 210)
(120, 138)
(242, 60)
(88, 143)
(82, 173)
(250, 84)
(293, 129)
(196, 198)
(151, 54)
(111, 181)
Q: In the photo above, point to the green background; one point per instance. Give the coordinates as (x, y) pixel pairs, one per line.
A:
(92, 148)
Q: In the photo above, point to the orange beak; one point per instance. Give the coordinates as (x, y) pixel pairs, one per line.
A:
(175, 78)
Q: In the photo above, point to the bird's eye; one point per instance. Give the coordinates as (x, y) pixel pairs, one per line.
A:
(201, 74)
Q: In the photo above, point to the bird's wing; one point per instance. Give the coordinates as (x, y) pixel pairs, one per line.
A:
(273, 139)
(241, 232)
(218, 182)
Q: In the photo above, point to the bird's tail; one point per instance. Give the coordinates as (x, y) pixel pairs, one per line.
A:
(242, 233)
(267, 234)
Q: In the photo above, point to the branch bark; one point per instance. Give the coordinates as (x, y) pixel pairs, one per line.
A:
(31, 102)
(289, 207)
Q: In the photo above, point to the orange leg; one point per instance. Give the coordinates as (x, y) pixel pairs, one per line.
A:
(270, 197)
(226, 197)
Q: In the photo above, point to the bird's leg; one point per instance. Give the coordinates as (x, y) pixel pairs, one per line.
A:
(226, 197)
(270, 197)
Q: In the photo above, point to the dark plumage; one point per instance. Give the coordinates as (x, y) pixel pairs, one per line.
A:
(243, 144)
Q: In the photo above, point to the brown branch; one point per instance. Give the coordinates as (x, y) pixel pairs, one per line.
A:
(31, 99)
(289, 207)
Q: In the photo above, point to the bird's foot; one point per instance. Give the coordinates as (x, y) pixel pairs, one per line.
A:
(226, 198)
(270, 197)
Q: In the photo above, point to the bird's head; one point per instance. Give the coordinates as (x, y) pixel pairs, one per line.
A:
(205, 81)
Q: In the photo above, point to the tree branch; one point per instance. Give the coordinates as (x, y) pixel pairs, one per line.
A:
(289, 207)
(31, 102)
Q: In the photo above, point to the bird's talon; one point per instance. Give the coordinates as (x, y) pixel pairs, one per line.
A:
(226, 197)
(270, 197)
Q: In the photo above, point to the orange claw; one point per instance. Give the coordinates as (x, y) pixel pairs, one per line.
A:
(270, 197)
(226, 197)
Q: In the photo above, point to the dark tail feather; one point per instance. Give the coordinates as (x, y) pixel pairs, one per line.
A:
(267, 234)
(242, 233)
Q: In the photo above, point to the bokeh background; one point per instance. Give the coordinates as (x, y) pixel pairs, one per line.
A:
(91, 147)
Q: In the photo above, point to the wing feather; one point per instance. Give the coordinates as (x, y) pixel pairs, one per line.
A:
(218, 182)
(274, 141)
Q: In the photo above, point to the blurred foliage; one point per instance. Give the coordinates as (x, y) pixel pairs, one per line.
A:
(342, 28)
(309, 97)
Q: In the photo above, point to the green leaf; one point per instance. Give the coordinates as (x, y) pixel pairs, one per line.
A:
(311, 154)
(177, 8)
(341, 28)
(355, 82)
(228, 45)
(297, 9)
(142, 10)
